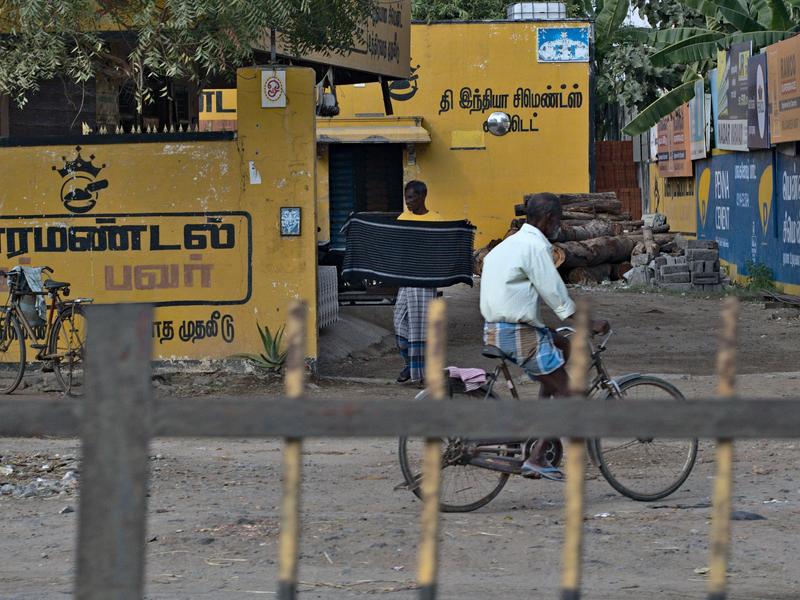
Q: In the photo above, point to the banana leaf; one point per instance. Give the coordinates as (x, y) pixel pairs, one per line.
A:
(760, 39)
(704, 7)
(660, 109)
(667, 37)
(609, 20)
(685, 55)
(666, 55)
(781, 19)
(743, 22)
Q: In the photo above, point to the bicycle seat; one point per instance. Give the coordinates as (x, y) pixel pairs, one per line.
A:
(495, 352)
(50, 284)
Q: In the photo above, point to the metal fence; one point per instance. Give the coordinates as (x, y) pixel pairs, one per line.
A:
(118, 418)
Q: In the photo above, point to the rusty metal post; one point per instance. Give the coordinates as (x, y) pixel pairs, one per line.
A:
(573, 533)
(116, 428)
(431, 465)
(723, 480)
(294, 381)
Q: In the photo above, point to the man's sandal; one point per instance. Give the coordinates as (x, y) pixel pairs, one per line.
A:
(537, 472)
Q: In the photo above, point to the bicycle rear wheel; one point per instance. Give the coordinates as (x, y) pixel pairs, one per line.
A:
(68, 347)
(464, 487)
(12, 353)
(646, 469)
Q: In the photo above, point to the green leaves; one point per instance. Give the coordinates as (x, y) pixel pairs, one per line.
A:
(189, 39)
(272, 357)
(609, 19)
(689, 51)
(781, 19)
(760, 39)
(660, 109)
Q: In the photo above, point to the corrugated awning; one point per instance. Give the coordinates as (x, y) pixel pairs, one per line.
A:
(372, 130)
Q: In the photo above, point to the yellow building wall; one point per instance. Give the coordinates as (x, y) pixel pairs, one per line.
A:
(471, 174)
(185, 225)
(675, 198)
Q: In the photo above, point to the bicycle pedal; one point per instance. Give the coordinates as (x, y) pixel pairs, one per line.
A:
(47, 368)
(39, 346)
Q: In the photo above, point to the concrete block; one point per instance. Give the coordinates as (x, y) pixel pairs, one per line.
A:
(681, 242)
(669, 269)
(677, 287)
(705, 278)
(704, 266)
(638, 276)
(693, 255)
(716, 287)
(701, 245)
(641, 260)
(683, 277)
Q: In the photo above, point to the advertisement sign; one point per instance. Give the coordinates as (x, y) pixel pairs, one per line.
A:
(730, 79)
(784, 90)
(674, 144)
(697, 118)
(562, 44)
(757, 112)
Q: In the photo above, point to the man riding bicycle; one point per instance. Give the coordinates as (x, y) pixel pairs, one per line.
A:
(516, 274)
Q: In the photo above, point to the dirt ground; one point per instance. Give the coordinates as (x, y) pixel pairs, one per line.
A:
(213, 507)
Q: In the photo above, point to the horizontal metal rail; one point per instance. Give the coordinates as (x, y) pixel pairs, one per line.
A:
(320, 417)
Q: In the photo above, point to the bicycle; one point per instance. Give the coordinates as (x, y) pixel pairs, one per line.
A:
(475, 471)
(63, 339)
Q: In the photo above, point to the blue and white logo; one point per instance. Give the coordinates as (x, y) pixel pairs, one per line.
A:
(563, 44)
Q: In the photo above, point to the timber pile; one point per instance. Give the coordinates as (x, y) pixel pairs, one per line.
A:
(597, 239)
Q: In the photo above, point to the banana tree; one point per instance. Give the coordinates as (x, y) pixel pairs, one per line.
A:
(761, 22)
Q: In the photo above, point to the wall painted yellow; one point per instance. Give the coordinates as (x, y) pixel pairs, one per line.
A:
(183, 224)
(675, 198)
(483, 183)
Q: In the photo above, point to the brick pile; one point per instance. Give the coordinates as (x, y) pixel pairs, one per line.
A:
(615, 171)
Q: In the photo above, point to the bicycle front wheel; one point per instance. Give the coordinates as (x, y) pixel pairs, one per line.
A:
(12, 353)
(67, 348)
(646, 469)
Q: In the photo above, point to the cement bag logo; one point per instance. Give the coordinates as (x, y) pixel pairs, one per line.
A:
(80, 187)
(765, 198)
(703, 192)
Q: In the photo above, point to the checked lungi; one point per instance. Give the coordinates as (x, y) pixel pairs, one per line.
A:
(410, 322)
(531, 348)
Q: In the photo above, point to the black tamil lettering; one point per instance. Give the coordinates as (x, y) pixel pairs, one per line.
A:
(220, 107)
(50, 239)
(155, 240)
(17, 241)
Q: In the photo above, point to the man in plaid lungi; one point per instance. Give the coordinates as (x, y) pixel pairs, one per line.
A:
(516, 274)
(411, 308)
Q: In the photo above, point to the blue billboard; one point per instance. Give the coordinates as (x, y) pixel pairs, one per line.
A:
(750, 204)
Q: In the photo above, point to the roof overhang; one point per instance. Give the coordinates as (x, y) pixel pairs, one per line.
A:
(372, 130)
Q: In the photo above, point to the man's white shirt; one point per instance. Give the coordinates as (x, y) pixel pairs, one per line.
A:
(516, 273)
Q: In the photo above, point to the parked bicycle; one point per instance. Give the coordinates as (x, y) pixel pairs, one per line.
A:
(475, 470)
(61, 346)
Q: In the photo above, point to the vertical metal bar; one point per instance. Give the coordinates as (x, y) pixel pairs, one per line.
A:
(116, 430)
(573, 534)
(431, 465)
(723, 480)
(289, 542)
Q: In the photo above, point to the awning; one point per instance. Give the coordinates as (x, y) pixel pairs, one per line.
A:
(372, 130)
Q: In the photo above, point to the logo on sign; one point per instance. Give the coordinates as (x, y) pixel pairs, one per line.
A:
(765, 198)
(273, 89)
(703, 192)
(80, 188)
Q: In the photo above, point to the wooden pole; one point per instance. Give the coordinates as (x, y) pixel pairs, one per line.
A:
(431, 465)
(573, 534)
(723, 480)
(116, 427)
(294, 381)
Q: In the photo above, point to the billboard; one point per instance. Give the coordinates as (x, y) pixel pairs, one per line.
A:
(730, 114)
(784, 90)
(674, 144)
(757, 107)
(697, 119)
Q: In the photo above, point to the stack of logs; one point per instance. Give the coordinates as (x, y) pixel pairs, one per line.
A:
(596, 242)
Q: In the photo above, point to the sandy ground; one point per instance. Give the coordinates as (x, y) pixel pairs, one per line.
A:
(213, 516)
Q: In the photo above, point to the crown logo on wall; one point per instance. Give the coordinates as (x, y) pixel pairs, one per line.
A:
(80, 190)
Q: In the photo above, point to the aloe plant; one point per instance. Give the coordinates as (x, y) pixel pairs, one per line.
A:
(272, 357)
(762, 22)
